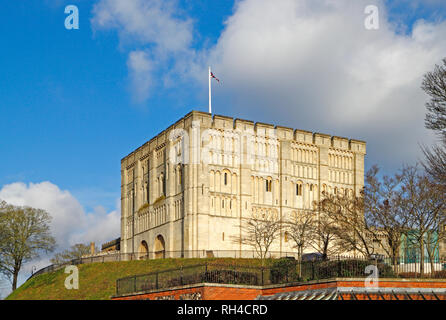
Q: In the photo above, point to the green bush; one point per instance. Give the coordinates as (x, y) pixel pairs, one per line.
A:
(348, 269)
(230, 277)
(284, 270)
(215, 276)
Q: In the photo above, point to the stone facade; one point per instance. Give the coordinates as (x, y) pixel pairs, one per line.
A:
(189, 188)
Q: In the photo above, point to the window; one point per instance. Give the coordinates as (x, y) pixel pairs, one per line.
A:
(298, 189)
(286, 236)
(268, 184)
(226, 178)
(223, 236)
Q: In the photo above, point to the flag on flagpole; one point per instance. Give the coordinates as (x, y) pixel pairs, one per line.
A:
(212, 75)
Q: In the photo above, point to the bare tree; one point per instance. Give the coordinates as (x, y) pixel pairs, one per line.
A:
(74, 252)
(424, 201)
(386, 220)
(434, 84)
(435, 162)
(323, 237)
(299, 226)
(349, 225)
(24, 232)
(259, 231)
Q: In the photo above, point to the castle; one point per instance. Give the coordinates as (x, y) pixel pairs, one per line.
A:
(185, 192)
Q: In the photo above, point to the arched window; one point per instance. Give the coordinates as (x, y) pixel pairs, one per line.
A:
(268, 185)
(299, 189)
(286, 236)
(162, 185)
(226, 179)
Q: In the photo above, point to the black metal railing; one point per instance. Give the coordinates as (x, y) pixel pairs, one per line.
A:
(200, 273)
(116, 256)
(404, 267)
(278, 271)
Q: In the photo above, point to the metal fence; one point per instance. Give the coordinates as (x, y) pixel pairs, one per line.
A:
(277, 272)
(117, 256)
(404, 266)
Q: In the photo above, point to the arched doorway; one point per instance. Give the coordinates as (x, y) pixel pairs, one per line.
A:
(160, 249)
(143, 251)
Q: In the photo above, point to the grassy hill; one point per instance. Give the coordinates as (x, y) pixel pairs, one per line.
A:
(97, 281)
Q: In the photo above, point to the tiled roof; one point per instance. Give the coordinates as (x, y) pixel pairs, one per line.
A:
(356, 293)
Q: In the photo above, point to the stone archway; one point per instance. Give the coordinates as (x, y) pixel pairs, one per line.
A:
(160, 247)
(143, 250)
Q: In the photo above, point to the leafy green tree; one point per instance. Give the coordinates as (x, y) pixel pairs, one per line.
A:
(24, 233)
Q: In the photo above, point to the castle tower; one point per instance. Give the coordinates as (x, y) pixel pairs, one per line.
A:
(185, 192)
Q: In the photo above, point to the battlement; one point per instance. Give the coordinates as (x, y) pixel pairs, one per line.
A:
(220, 122)
(202, 174)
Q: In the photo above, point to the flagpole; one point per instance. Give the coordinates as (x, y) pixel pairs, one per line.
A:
(209, 78)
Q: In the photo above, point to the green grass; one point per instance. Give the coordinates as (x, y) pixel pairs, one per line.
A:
(97, 281)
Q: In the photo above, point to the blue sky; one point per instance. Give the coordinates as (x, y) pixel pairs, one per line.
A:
(67, 97)
(68, 116)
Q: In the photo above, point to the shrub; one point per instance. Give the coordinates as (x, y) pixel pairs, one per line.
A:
(284, 270)
(349, 269)
(436, 275)
(230, 276)
(440, 274)
(214, 276)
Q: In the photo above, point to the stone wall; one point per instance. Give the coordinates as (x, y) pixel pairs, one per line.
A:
(195, 182)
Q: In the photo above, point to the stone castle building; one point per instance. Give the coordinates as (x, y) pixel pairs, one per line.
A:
(187, 190)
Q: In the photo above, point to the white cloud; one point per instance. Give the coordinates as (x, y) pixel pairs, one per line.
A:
(67, 213)
(301, 63)
(312, 65)
(103, 226)
(153, 24)
(140, 67)
(70, 223)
